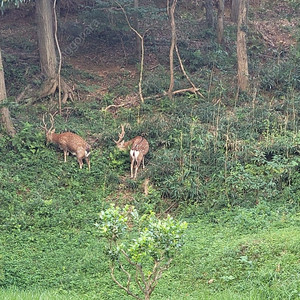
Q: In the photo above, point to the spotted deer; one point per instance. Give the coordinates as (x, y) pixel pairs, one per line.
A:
(69, 142)
(138, 146)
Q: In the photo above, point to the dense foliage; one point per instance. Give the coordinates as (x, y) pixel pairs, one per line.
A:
(140, 248)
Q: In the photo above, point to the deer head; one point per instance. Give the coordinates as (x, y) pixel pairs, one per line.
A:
(138, 146)
(69, 142)
(49, 131)
(120, 142)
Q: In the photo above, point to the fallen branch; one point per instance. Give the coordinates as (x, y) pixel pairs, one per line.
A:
(193, 90)
(114, 105)
(196, 90)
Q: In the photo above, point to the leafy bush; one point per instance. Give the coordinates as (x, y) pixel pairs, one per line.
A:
(147, 253)
(29, 141)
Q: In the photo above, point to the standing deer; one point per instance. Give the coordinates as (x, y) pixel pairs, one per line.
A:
(68, 142)
(139, 148)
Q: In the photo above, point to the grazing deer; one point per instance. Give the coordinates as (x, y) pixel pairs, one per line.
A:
(139, 148)
(68, 142)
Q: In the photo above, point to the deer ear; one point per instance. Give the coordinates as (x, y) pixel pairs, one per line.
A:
(53, 130)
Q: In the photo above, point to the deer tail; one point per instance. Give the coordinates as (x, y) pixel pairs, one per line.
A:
(134, 154)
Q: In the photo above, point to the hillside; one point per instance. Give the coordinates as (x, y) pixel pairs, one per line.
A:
(224, 161)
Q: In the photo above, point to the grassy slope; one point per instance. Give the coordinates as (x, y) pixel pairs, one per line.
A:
(49, 246)
(218, 262)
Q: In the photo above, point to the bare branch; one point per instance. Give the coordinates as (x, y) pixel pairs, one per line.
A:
(59, 56)
(157, 274)
(127, 274)
(128, 258)
(139, 282)
(195, 90)
(115, 105)
(141, 272)
(191, 90)
(112, 273)
(182, 91)
(141, 37)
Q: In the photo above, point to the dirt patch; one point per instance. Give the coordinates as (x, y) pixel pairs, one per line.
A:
(277, 34)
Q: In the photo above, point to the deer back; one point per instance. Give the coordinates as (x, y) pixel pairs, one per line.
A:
(140, 144)
(69, 141)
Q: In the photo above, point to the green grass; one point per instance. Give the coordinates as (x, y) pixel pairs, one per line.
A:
(217, 262)
(17, 294)
(50, 247)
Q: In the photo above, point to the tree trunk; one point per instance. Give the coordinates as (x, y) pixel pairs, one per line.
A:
(242, 58)
(48, 57)
(210, 20)
(136, 27)
(220, 28)
(235, 10)
(5, 114)
(172, 47)
(45, 24)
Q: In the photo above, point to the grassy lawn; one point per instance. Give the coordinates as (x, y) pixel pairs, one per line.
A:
(220, 260)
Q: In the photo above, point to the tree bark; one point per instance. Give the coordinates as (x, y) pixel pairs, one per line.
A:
(5, 114)
(235, 10)
(45, 24)
(48, 57)
(220, 27)
(171, 12)
(136, 26)
(242, 58)
(209, 12)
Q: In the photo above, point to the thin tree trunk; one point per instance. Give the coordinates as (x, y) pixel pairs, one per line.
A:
(137, 27)
(242, 58)
(220, 28)
(5, 114)
(59, 57)
(235, 10)
(171, 11)
(142, 52)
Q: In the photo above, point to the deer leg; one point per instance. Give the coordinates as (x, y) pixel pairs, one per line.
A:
(135, 173)
(131, 167)
(88, 162)
(143, 162)
(138, 162)
(80, 162)
(65, 155)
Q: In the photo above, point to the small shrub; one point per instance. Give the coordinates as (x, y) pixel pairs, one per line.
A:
(146, 256)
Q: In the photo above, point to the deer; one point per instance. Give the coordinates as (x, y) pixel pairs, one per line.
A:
(69, 142)
(138, 146)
